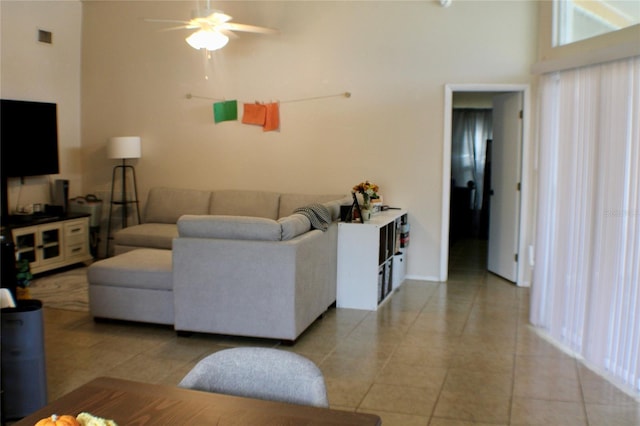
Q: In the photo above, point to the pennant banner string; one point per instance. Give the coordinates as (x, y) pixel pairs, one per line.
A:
(344, 95)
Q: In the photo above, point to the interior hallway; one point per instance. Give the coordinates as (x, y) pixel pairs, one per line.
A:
(458, 353)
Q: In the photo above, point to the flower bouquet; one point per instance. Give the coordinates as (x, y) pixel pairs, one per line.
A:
(370, 197)
(368, 190)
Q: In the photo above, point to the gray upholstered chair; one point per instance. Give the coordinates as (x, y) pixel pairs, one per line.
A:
(261, 373)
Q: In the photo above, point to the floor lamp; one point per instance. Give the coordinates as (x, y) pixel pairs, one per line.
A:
(122, 148)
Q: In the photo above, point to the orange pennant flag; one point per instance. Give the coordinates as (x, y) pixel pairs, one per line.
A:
(254, 114)
(272, 121)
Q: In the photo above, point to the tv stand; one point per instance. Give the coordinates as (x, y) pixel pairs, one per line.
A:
(50, 242)
(30, 219)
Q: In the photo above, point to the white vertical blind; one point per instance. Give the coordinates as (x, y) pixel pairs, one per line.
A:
(585, 287)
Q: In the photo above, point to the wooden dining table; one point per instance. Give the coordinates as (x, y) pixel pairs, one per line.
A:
(134, 403)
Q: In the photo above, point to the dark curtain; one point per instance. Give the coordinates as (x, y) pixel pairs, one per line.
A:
(471, 129)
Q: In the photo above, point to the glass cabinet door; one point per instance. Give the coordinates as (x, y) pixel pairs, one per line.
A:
(39, 245)
(26, 247)
(50, 243)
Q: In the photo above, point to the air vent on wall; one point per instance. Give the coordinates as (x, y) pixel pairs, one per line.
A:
(45, 36)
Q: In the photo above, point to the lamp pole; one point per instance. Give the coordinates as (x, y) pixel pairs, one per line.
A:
(123, 198)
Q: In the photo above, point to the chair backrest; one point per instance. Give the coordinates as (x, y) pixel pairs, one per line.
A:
(261, 373)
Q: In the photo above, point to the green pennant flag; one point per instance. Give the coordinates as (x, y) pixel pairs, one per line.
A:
(225, 111)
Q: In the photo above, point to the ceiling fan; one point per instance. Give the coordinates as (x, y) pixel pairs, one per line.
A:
(214, 28)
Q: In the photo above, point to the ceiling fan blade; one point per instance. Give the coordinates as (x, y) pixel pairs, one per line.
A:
(247, 28)
(179, 27)
(228, 33)
(218, 17)
(165, 21)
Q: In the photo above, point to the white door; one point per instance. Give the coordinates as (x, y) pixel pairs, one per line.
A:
(504, 210)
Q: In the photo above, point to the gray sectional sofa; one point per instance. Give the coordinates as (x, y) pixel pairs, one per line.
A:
(243, 263)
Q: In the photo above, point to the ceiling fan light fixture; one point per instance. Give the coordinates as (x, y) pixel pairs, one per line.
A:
(207, 39)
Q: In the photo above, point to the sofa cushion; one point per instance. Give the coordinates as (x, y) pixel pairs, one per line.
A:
(245, 203)
(151, 235)
(230, 227)
(142, 268)
(294, 225)
(290, 202)
(166, 205)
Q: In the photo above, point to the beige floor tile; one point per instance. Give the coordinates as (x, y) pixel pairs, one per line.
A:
(488, 313)
(446, 354)
(477, 406)
(387, 316)
(543, 366)
(613, 415)
(438, 421)
(461, 275)
(316, 345)
(597, 390)
(465, 382)
(421, 355)
(184, 349)
(489, 344)
(369, 330)
(531, 344)
(79, 339)
(412, 375)
(413, 297)
(350, 368)
(491, 328)
(60, 383)
(397, 419)
(604, 392)
(148, 369)
(526, 411)
(542, 387)
(176, 375)
(400, 399)
(346, 393)
(443, 342)
(365, 348)
(484, 362)
(434, 322)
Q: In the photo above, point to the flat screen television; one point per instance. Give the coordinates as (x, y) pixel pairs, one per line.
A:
(29, 138)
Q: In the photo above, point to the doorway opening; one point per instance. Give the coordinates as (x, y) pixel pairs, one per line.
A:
(471, 139)
(468, 166)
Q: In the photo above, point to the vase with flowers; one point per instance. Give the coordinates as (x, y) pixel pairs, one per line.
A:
(369, 192)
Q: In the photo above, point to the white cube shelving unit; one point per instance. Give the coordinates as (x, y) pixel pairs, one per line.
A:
(371, 259)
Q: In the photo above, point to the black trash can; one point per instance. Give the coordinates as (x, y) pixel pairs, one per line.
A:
(24, 379)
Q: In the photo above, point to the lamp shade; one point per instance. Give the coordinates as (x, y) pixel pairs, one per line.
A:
(207, 39)
(124, 147)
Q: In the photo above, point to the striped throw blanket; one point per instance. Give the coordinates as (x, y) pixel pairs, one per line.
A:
(318, 215)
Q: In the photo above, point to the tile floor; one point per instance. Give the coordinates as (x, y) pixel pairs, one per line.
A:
(455, 353)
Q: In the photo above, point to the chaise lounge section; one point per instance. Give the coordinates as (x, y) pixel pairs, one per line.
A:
(243, 263)
(134, 286)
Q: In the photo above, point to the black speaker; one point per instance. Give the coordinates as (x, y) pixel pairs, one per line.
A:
(61, 194)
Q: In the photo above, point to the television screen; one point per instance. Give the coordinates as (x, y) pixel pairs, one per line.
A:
(29, 138)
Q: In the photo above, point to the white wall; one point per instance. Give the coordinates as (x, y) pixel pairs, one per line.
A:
(394, 57)
(31, 70)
